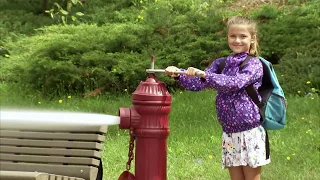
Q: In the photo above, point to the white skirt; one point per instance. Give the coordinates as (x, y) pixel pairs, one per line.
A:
(246, 148)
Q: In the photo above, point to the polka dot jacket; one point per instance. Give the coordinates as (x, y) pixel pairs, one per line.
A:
(235, 109)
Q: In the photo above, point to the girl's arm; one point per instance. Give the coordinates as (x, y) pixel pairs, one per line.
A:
(250, 73)
(195, 83)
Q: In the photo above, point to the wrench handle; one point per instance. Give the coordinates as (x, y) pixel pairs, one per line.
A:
(177, 72)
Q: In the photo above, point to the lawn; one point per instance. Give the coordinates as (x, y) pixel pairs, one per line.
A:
(194, 150)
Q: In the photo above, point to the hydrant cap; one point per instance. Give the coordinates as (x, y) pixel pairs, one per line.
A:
(152, 90)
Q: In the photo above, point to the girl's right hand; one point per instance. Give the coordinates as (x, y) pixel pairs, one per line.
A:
(170, 70)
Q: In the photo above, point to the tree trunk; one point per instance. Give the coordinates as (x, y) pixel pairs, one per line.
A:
(44, 6)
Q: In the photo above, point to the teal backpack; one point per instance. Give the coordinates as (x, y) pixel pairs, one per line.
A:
(273, 105)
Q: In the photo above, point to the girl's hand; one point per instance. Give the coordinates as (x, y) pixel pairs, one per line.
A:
(170, 70)
(191, 72)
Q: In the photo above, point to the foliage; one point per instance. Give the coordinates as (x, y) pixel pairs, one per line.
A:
(63, 15)
(71, 59)
(293, 36)
(30, 6)
(299, 74)
(112, 46)
(17, 23)
(291, 30)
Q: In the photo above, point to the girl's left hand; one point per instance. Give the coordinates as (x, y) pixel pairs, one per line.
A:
(191, 72)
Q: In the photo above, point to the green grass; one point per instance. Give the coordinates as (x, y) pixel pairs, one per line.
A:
(194, 149)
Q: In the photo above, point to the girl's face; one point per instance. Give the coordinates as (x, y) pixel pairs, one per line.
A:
(239, 38)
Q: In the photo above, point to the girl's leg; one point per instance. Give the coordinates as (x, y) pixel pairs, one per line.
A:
(236, 173)
(252, 173)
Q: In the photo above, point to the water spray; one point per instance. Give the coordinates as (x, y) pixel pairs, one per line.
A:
(53, 121)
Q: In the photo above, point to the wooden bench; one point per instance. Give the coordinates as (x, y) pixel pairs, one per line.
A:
(51, 155)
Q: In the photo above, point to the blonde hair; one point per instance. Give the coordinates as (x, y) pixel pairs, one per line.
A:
(252, 27)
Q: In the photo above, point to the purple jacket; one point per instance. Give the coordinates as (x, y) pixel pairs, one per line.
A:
(235, 109)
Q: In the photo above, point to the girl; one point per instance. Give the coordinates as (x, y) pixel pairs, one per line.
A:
(243, 137)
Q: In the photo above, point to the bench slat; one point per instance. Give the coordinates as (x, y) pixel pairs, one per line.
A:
(57, 177)
(85, 172)
(51, 136)
(69, 128)
(46, 143)
(51, 151)
(49, 159)
(22, 175)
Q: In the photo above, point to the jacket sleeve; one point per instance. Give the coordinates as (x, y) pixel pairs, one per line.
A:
(249, 74)
(196, 83)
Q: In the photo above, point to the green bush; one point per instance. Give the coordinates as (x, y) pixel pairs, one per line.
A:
(290, 30)
(79, 58)
(294, 37)
(299, 74)
(13, 23)
(29, 6)
(114, 49)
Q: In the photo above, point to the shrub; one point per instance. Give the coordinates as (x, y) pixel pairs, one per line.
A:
(292, 38)
(79, 58)
(13, 23)
(299, 73)
(290, 30)
(115, 49)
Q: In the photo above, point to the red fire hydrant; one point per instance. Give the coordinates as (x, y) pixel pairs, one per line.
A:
(149, 125)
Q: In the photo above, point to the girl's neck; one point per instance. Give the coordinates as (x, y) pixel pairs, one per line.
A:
(241, 53)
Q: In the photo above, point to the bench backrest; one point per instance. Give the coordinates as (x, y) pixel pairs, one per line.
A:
(74, 154)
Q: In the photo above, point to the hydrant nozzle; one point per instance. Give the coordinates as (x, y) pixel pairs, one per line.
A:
(129, 118)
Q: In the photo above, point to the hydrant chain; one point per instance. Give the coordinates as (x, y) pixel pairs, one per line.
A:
(131, 147)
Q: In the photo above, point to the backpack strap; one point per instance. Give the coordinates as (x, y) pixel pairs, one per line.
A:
(252, 93)
(222, 65)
